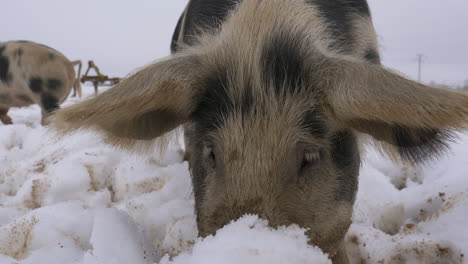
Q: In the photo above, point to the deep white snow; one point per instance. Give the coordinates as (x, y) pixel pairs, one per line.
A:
(77, 200)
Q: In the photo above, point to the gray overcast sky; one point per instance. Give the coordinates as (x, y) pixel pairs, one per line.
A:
(121, 35)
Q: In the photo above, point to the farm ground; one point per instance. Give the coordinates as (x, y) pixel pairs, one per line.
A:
(77, 200)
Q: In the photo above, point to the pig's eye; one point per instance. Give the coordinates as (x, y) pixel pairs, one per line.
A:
(210, 157)
(309, 158)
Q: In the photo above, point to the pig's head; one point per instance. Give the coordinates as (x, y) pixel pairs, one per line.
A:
(272, 126)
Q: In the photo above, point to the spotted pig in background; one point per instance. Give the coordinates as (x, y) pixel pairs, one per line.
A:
(31, 73)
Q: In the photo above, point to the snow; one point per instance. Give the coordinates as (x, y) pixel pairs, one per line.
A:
(250, 240)
(77, 200)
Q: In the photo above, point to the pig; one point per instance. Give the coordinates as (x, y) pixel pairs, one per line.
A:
(32, 73)
(275, 97)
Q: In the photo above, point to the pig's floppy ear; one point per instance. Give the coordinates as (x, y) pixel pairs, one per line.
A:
(144, 106)
(415, 119)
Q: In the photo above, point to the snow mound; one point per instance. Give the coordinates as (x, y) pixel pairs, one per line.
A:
(250, 240)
